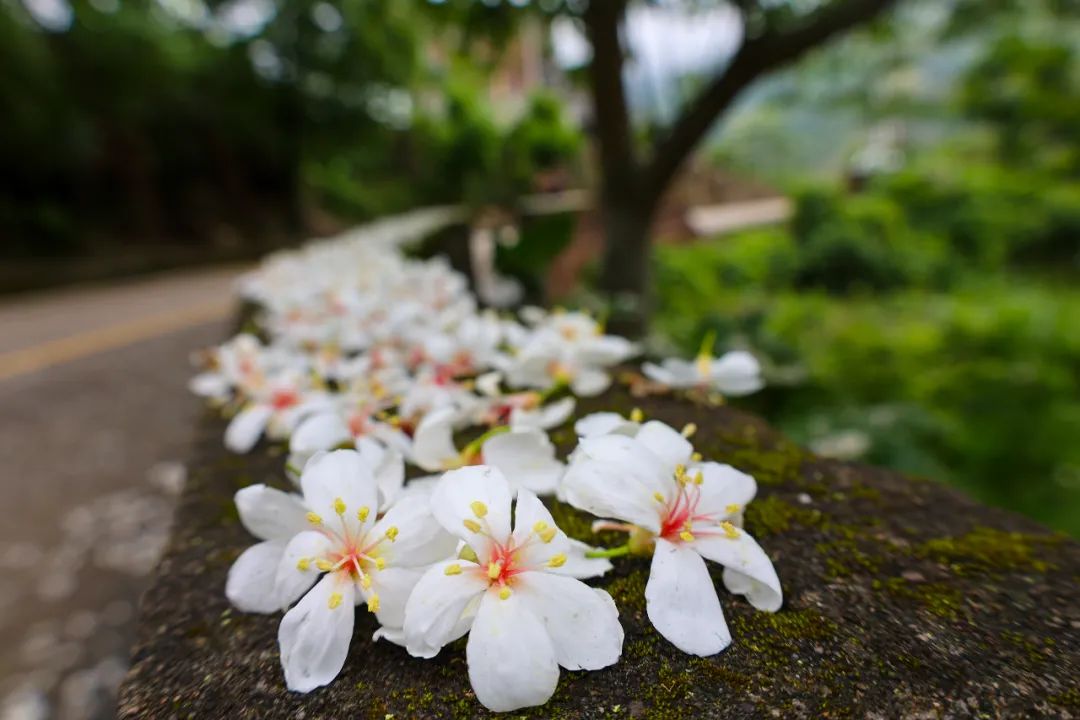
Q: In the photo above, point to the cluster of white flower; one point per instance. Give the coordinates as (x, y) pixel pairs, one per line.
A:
(372, 361)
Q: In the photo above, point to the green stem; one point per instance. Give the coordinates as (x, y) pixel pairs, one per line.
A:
(609, 552)
(474, 447)
(557, 387)
(707, 344)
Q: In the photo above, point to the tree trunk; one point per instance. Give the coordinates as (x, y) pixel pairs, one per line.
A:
(626, 276)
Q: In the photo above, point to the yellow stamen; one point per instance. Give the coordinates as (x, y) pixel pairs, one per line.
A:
(380, 563)
(504, 594)
(688, 430)
(334, 601)
(539, 526)
(730, 531)
(547, 535)
(479, 509)
(699, 478)
(733, 508)
(471, 524)
(324, 565)
(392, 533)
(373, 603)
(557, 560)
(658, 497)
(313, 518)
(365, 582)
(494, 570)
(362, 513)
(636, 415)
(687, 536)
(339, 506)
(303, 564)
(696, 457)
(453, 569)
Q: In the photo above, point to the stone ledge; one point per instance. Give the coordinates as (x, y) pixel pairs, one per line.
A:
(903, 598)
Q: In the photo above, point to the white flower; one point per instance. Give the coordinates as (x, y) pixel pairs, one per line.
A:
(656, 482)
(735, 373)
(276, 409)
(359, 558)
(608, 423)
(525, 617)
(524, 454)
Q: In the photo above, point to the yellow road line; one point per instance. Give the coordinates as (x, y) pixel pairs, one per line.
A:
(91, 342)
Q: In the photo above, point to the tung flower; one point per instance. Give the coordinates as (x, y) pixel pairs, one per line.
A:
(524, 614)
(692, 510)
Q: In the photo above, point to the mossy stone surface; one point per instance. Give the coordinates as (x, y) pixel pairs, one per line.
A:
(903, 598)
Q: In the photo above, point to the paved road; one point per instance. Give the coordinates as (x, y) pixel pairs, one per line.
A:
(94, 418)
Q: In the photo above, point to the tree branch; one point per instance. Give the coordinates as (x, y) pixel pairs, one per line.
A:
(755, 58)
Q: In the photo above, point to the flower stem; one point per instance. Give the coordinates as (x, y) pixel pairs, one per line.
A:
(609, 552)
(474, 447)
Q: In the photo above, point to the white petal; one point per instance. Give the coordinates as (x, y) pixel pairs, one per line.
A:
(614, 476)
(527, 513)
(433, 442)
(324, 431)
(590, 382)
(340, 475)
(681, 601)
(545, 417)
(270, 514)
(420, 540)
(527, 458)
(737, 373)
(246, 427)
(724, 486)
(387, 465)
(659, 374)
(250, 586)
(457, 490)
(437, 605)
(290, 582)
(582, 622)
(511, 658)
(666, 443)
(581, 567)
(210, 385)
(393, 586)
(742, 555)
(314, 638)
(605, 423)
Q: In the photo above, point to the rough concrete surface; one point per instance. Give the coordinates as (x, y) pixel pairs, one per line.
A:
(902, 599)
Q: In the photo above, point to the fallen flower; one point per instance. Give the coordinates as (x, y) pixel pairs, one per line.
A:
(525, 617)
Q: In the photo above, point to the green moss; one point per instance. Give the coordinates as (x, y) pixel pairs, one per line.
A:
(776, 636)
(575, 523)
(771, 515)
(1037, 650)
(845, 557)
(1070, 699)
(628, 591)
(938, 598)
(987, 549)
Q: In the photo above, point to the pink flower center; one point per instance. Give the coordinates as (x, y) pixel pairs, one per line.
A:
(283, 399)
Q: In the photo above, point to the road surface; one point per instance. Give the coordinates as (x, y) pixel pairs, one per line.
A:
(94, 420)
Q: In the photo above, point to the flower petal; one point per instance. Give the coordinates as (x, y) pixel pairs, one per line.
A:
(681, 601)
(722, 487)
(744, 557)
(247, 427)
(420, 540)
(510, 654)
(388, 467)
(581, 567)
(452, 504)
(605, 423)
(529, 512)
(582, 622)
(250, 585)
(324, 431)
(433, 442)
(527, 458)
(314, 636)
(545, 417)
(590, 382)
(666, 443)
(614, 476)
(270, 514)
(341, 475)
(393, 586)
(737, 373)
(438, 603)
(292, 577)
